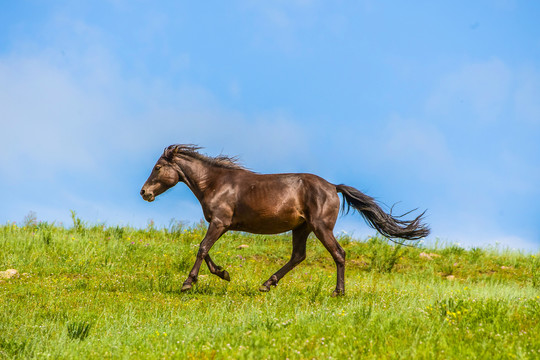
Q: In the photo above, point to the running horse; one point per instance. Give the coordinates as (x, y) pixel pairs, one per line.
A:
(235, 198)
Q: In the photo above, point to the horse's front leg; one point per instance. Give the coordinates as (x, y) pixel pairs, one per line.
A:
(215, 230)
(216, 269)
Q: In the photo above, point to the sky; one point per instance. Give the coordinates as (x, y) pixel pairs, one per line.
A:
(430, 105)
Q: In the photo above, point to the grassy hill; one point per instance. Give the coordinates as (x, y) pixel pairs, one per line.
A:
(114, 292)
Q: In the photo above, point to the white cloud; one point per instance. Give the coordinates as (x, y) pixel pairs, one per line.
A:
(418, 147)
(482, 88)
(77, 115)
(526, 97)
(47, 118)
(282, 25)
(483, 237)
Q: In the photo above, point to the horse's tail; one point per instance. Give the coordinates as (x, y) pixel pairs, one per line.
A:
(387, 224)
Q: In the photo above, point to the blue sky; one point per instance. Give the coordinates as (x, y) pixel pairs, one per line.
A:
(433, 104)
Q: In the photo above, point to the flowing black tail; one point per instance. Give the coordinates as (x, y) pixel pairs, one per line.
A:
(387, 224)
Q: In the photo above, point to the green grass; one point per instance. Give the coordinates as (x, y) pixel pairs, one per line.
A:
(114, 292)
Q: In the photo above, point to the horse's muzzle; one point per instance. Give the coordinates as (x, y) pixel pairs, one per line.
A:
(147, 195)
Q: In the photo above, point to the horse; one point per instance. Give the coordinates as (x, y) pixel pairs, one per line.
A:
(235, 198)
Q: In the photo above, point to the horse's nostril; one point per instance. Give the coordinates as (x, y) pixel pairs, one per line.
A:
(142, 192)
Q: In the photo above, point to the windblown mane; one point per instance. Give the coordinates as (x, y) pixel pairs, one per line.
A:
(223, 161)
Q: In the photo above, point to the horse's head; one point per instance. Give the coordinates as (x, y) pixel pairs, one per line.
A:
(163, 177)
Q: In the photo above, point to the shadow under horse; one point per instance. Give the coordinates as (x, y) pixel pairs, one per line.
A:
(235, 198)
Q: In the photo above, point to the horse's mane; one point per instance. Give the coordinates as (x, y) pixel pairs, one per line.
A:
(223, 161)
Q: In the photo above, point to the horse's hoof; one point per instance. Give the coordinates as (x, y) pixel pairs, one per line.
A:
(264, 288)
(338, 293)
(225, 275)
(186, 287)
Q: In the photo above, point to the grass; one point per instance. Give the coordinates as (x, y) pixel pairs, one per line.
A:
(114, 292)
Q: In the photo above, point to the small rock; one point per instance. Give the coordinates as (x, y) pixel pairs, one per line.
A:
(243, 246)
(359, 263)
(450, 277)
(429, 256)
(9, 274)
(506, 267)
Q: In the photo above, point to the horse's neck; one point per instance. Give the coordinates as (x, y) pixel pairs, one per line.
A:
(197, 175)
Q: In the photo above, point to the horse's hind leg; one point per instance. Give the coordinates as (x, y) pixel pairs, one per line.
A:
(326, 236)
(216, 269)
(300, 236)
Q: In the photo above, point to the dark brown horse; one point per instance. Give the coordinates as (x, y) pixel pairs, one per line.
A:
(234, 198)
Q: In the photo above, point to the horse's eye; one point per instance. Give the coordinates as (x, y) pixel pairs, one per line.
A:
(158, 167)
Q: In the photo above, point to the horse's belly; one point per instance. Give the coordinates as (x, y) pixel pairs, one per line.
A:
(268, 222)
(266, 228)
